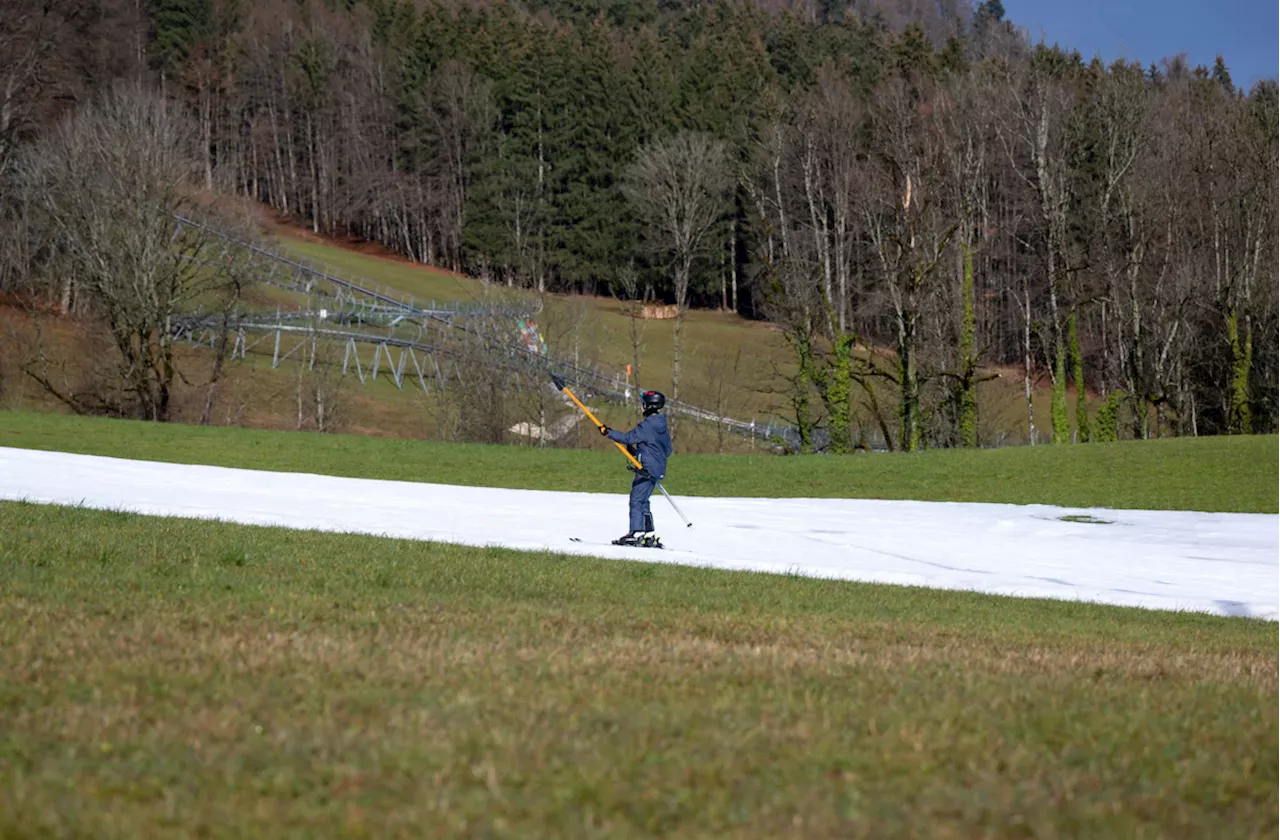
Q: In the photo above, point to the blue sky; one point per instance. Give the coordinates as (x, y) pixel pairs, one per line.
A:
(1244, 31)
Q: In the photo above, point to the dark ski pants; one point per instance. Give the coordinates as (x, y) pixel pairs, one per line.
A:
(641, 489)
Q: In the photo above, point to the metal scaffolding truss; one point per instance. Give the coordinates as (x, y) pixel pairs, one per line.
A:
(420, 362)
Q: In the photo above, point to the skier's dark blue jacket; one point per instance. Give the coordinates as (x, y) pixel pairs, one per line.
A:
(651, 442)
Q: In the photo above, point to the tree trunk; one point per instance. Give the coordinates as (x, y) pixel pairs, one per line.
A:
(821, 235)
(1077, 374)
(908, 382)
(733, 263)
(166, 369)
(676, 359)
(1027, 361)
(315, 177)
(206, 133)
(968, 414)
(1239, 416)
(724, 275)
(1052, 210)
(220, 355)
(801, 394)
(836, 394)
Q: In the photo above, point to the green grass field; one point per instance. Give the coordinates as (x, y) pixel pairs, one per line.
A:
(186, 678)
(421, 282)
(1210, 474)
(169, 677)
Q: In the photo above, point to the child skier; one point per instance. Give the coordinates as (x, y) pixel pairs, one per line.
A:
(650, 443)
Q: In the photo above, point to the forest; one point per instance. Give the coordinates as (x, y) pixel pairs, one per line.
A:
(915, 194)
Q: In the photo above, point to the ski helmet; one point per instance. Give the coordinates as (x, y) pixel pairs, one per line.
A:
(653, 401)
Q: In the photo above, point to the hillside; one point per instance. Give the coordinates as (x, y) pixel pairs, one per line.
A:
(733, 366)
(732, 363)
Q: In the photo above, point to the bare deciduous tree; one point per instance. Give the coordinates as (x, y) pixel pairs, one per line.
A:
(679, 187)
(628, 283)
(829, 123)
(110, 188)
(722, 374)
(322, 385)
(1034, 133)
(36, 38)
(909, 224)
(967, 140)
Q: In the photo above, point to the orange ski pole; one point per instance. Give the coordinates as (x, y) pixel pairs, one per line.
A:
(599, 425)
(635, 463)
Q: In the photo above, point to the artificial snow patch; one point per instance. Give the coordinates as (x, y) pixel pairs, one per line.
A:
(1223, 563)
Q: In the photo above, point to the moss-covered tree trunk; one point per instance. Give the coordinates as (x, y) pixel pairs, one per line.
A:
(1108, 430)
(1239, 416)
(836, 391)
(1077, 375)
(1058, 407)
(1141, 408)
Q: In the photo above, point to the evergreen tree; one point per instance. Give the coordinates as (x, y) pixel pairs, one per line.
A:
(1222, 76)
(508, 218)
(590, 214)
(176, 26)
(989, 10)
(913, 54)
(952, 59)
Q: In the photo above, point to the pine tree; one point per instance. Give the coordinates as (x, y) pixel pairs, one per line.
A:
(912, 52)
(1222, 76)
(176, 26)
(589, 142)
(952, 59)
(989, 10)
(508, 215)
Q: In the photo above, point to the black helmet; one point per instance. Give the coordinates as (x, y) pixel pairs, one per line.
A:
(652, 401)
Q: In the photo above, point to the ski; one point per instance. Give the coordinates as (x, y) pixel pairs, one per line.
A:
(581, 541)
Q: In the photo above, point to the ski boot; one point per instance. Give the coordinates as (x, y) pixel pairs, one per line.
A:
(631, 538)
(651, 540)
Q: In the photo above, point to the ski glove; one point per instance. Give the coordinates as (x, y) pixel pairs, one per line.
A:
(604, 430)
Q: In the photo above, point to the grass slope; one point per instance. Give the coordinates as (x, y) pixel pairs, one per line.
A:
(175, 677)
(1210, 474)
(730, 363)
(422, 282)
(595, 330)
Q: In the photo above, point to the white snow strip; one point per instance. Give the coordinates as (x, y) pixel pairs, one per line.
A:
(1224, 563)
